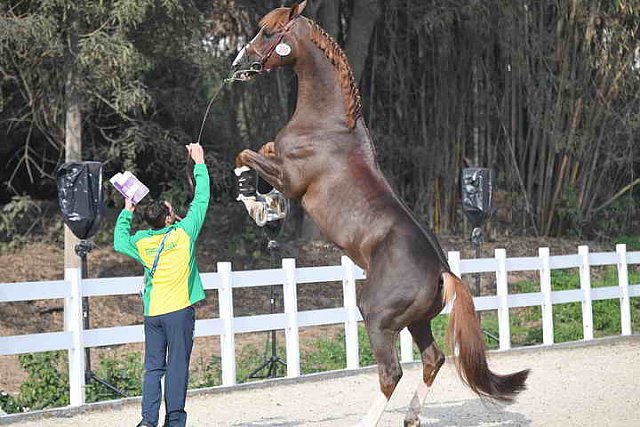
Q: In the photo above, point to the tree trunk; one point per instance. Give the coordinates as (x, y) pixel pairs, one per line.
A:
(365, 15)
(73, 142)
(329, 17)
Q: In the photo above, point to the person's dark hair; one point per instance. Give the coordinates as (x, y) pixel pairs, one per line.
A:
(155, 214)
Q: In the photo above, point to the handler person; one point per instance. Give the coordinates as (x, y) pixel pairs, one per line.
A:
(172, 285)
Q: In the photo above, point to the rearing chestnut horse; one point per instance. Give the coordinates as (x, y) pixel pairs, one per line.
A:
(324, 156)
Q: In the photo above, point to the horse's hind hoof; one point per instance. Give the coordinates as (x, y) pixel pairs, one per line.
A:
(412, 422)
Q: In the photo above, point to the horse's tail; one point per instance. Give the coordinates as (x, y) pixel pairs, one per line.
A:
(464, 338)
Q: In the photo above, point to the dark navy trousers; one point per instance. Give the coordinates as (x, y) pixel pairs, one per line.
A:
(167, 349)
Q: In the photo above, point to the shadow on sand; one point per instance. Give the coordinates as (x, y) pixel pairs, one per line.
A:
(469, 413)
(460, 413)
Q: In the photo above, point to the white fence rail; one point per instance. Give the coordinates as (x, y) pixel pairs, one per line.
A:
(74, 339)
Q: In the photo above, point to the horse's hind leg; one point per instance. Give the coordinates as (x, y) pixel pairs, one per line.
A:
(432, 360)
(389, 370)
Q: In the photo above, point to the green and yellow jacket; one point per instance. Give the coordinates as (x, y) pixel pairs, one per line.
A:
(176, 283)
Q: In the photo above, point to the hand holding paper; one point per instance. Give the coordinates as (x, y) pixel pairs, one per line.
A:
(129, 186)
(128, 205)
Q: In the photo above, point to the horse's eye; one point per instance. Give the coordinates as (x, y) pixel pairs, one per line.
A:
(267, 34)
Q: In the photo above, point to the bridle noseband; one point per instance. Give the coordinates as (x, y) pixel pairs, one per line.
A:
(257, 67)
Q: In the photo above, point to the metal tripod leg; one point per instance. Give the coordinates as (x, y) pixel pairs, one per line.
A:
(82, 250)
(274, 360)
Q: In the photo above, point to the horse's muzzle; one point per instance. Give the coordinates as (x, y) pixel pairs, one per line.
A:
(244, 69)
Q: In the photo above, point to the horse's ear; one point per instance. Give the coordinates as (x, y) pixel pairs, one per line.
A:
(296, 9)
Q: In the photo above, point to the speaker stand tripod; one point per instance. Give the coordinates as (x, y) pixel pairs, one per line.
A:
(273, 362)
(82, 249)
(476, 242)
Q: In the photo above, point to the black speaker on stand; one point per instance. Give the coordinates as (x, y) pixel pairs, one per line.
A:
(82, 208)
(477, 189)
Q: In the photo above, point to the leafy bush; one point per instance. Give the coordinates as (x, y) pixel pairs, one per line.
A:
(124, 374)
(209, 376)
(45, 386)
(22, 218)
(9, 404)
(47, 383)
(526, 323)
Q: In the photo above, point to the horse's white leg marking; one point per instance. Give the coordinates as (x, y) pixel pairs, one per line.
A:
(417, 402)
(375, 411)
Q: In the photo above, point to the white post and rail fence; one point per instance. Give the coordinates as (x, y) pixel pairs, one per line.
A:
(75, 339)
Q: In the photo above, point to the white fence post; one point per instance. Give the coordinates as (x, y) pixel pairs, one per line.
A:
(547, 305)
(74, 324)
(291, 310)
(623, 282)
(585, 285)
(502, 290)
(453, 257)
(454, 262)
(351, 305)
(227, 339)
(406, 346)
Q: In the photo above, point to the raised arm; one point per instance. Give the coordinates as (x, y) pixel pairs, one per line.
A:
(122, 233)
(192, 223)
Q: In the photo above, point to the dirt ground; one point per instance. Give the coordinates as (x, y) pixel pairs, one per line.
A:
(578, 385)
(44, 261)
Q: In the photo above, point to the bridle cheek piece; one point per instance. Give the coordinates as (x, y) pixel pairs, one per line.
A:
(257, 67)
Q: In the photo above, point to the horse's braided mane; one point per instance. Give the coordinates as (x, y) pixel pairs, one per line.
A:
(337, 57)
(277, 19)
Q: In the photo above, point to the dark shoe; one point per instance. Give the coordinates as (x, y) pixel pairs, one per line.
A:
(143, 423)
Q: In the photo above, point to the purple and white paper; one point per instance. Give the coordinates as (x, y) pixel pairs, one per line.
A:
(129, 186)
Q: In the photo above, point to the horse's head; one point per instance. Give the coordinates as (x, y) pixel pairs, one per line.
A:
(275, 45)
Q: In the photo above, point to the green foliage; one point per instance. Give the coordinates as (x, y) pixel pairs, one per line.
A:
(9, 404)
(366, 355)
(246, 242)
(526, 323)
(16, 218)
(47, 383)
(439, 329)
(329, 354)
(24, 220)
(136, 66)
(489, 323)
(113, 67)
(46, 386)
(177, 192)
(568, 212)
(209, 376)
(125, 374)
(248, 358)
(614, 219)
(632, 241)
